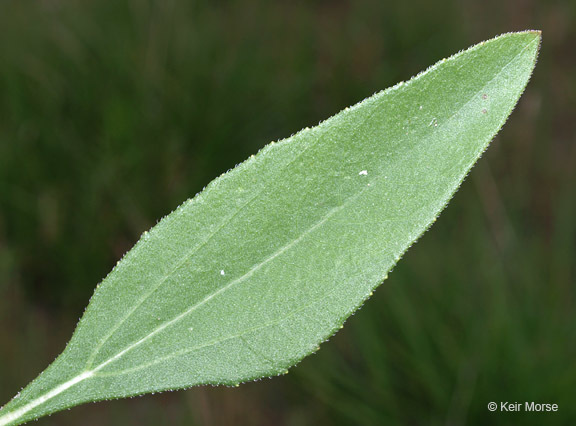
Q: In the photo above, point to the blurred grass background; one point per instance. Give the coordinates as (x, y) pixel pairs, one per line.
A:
(114, 112)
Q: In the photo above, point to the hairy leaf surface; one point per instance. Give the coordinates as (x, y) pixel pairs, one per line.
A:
(252, 274)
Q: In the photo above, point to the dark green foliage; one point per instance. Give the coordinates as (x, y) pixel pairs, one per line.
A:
(88, 89)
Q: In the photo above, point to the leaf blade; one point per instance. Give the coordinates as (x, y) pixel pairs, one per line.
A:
(332, 208)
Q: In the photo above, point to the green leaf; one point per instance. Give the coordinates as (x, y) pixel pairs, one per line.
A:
(253, 273)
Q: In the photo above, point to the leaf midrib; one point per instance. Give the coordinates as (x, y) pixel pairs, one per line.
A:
(435, 208)
(285, 247)
(195, 249)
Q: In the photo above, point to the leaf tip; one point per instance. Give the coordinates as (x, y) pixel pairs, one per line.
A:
(536, 34)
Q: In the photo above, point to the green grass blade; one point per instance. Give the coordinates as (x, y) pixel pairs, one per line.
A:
(252, 274)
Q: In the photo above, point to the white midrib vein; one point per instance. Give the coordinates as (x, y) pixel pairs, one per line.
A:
(198, 247)
(283, 249)
(12, 416)
(15, 415)
(187, 256)
(232, 283)
(178, 265)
